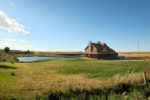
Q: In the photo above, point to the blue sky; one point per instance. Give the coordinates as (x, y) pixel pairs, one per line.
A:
(68, 25)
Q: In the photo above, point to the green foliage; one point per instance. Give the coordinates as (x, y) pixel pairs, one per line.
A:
(28, 52)
(6, 49)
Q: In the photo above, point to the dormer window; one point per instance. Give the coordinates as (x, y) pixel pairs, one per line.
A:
(93, 50)
(104, 50)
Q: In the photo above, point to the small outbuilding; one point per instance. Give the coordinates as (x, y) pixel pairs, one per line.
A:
(100, 51)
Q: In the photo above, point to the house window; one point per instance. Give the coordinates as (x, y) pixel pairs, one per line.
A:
(104, 50)
(93, 49)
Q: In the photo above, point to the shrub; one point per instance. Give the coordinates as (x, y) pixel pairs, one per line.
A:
(6, 49)
(13, 74)
(3, 60)
(27, 52)
(12, 62)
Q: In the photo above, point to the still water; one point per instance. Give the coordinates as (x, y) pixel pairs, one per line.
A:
(35, 58)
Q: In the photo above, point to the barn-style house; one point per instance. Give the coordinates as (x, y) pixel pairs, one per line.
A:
(100, 51)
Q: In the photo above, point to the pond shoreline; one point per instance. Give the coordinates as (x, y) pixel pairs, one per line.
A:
(42, 58)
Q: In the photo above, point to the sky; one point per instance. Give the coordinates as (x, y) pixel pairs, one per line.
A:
(69, 25)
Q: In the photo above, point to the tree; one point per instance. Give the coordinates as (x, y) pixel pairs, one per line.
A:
(27, 52)
(6, 49)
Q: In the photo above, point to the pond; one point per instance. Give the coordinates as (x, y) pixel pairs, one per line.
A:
(35, 58)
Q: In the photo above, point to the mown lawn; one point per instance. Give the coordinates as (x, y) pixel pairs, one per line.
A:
(29, 80)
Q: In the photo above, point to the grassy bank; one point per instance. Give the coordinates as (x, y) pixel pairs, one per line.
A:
(7, 57)
(71, 77)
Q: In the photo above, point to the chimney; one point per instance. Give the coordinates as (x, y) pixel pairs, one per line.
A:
(90, 46)
(98, 42)
(90, 42)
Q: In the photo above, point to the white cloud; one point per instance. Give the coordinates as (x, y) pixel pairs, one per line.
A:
(14, 40)
(22, 41)
(9, 40)
(16, 46)
(11, 25)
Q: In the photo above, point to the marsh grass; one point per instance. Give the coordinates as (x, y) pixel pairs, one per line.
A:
(123, 89)
(135, 54)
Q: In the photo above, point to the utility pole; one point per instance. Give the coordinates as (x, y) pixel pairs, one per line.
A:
(138, 47)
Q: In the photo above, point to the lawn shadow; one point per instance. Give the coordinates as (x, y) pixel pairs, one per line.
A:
(7, 67)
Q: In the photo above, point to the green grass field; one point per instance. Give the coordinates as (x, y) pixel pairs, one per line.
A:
(36, 80)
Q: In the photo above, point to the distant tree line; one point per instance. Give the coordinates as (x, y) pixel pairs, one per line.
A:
(28, 52)
(7, 50)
